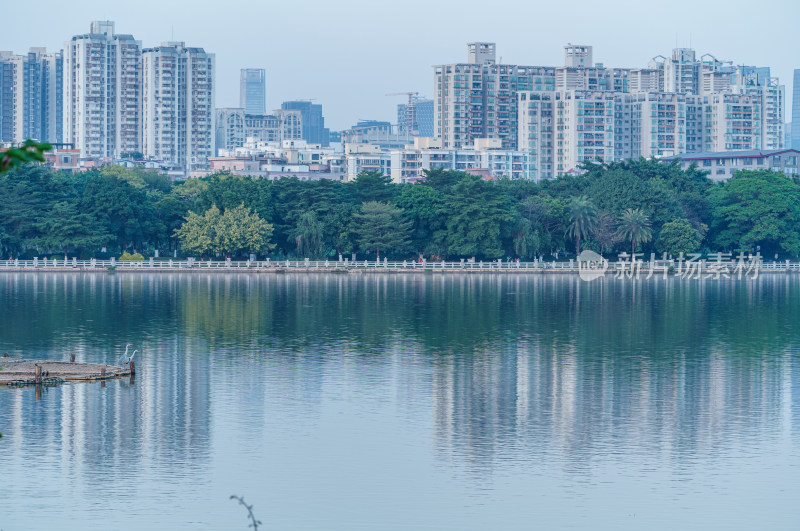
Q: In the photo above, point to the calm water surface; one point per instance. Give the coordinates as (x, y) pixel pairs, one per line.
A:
(336, 402)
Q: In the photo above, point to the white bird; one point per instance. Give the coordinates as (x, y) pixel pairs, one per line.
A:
(124, 358)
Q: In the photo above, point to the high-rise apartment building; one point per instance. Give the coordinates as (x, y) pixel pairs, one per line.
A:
(561, 129)
(8, 81)
(178, 105)
(767, 89)
(674, 105)
(31, 96)
(314, 130)
(253, 91)
(681, 71)
(650, 124)
(732, 122)
(796, 110)
(102, 92)
(478, 99)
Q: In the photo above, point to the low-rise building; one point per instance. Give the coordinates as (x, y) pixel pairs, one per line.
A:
(486, 157)
(721, 165)
(234, 127)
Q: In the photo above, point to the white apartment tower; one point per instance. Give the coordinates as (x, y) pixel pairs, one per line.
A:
(478, 99)
(102, 92)
(178, 105)
(681, 71)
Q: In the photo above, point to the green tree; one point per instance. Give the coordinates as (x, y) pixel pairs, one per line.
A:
(26, 193)
(64, 228)
(123, 210)
(425, 207)
(198, 234)
(338, 228)
(241, 230)
(382, 226)
(171, 212)
(605, 231)
(757, 208)
(442, 180)
(678, 236)
(634, 226)
(309, 236)
(373, 186)
(582, 220)
(479, 213)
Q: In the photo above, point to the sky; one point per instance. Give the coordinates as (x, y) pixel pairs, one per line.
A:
(348, 54)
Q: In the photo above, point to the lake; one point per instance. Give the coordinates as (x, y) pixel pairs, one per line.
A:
(457, 402)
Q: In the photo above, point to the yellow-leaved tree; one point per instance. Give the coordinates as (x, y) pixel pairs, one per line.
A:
(234, 231)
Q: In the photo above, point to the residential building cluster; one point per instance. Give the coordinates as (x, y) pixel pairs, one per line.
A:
(584, 111)
(106, 98)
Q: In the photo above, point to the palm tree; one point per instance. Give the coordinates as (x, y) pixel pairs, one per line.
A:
(634, 226)
(582, 219)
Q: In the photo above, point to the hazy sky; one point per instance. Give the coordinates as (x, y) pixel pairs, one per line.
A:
(347, 54)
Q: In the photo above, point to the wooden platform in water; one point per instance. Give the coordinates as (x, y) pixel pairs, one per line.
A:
(17, 371)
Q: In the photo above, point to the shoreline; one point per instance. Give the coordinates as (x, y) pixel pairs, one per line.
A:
(587, 270)
(401, 271)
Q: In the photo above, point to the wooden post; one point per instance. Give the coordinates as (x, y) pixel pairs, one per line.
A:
(102, 372)
(133, 367)
(38, 375)
(72, 358)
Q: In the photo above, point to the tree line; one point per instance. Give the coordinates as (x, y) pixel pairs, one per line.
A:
(638, 206)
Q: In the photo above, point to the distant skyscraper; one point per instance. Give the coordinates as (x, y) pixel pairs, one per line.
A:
(796, 110)
(787, 136)
(178, 105)
(31, 96)
(418, 115)
(102, 92)
(314, 130)
(253, 91)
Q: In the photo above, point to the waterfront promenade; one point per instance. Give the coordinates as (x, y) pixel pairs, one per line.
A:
(627, 268)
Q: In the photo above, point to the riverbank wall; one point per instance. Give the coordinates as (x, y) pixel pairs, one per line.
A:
(717, 268)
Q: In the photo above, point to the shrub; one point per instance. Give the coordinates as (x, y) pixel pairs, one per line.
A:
(128, 257)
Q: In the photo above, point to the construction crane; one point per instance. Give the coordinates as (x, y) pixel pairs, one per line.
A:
(410, 117)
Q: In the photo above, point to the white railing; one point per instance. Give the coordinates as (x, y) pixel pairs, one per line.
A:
(407, 265)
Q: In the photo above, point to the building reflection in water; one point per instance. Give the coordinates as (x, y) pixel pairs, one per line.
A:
(522, 370)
